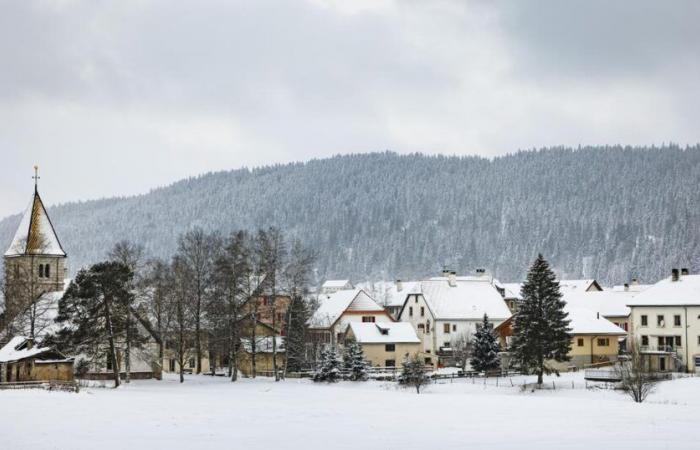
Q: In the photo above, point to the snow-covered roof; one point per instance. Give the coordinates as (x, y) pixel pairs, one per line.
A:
(469, 298)
(333, 305)
(512, 290)
(18, 349)
(387, 293)
(577, 285)
(586, 321)
(684, 292)
(607, 303)
(383, 332)
(338, 284)
(631, 287)
(263, 344)
(35, 234)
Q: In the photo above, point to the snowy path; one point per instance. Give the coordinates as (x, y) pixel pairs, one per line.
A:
(213, 413)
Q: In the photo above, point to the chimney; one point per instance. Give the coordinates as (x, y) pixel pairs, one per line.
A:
(597, 315)
(674, 275)
(627, 287)
(480, 272)
(399, 285)
(635, 281)
(452, 279)
(445, 273)
(684, 271)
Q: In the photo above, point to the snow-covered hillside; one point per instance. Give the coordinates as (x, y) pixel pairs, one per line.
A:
(206, 413)
(604, 213)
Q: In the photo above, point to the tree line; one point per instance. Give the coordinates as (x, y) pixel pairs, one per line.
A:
(214, 298)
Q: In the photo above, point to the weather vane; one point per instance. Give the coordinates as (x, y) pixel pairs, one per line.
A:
(36, 177)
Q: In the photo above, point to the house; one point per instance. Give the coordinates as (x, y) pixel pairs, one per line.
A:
(446, 310)
(22, 360)
(511, 294)
(665, 320)
(611, 305)
(335, 311)
(332, 286)
(391, 295)
(594, 339)
(263, 356)
(386, 344)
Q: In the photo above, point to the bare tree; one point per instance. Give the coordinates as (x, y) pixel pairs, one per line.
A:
(158, 294)
(181, 325)
(462, 349)
(131, 255)
(636, 375)
(196, 252)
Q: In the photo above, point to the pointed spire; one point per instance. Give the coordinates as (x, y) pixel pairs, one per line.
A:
(35, 234)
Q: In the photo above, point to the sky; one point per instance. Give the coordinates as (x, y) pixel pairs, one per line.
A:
(116, 98)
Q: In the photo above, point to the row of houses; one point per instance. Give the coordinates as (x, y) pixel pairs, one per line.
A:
(443, 311)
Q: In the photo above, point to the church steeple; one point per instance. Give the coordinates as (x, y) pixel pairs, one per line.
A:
(35, 234)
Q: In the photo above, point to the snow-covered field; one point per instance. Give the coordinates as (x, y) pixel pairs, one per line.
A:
(210, 412)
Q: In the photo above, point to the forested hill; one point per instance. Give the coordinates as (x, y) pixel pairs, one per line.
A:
(610, 213)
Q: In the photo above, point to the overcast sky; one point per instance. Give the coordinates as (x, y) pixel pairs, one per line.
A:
(114, 98)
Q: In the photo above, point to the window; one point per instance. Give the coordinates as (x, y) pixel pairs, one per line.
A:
(422, 311)
(41, 271)
(446, 328)
(698, 340)
(172, 364)
(421, 328)
(624, 327)
(454, 327)
(368, 318)
(390, 363)
(645, 340)
(579, 342)
(339, 337)
(109, 362)
(660, 321)
(390, 348)
(410, 311)
(427, 361)
(427, 327)
(660, 341)
(191, 363)
(47, 272)
(603, 342)
(446, 344)
(678, 341)
(645, 321)
(677, 320)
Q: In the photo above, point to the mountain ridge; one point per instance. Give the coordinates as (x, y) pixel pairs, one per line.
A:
(610, 212)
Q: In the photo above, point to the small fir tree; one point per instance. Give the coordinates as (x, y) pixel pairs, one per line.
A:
(413, 373)
(540, 327)
(485, 354)
(354, 362)
(330, 367)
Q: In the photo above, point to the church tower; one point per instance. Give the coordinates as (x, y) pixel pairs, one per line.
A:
(35, 263)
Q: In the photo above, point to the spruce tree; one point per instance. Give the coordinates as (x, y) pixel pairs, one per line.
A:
(485, 354)
(354, 362)
(296, 334)
(413, 373)
(540, 327)
(330, 367)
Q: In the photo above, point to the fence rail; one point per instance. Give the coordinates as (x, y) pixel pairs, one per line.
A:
(51, 385)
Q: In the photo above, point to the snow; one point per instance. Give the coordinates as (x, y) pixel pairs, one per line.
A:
(566, 286)
(263, 344)
(387, 292)
(586, 321)
(513, 290)
(607, 303)
(684, 292)
(35, 232)
(470, 298)
(9, 352)
(212, 413)
(332, 306)
(336, 284)
(396, 332)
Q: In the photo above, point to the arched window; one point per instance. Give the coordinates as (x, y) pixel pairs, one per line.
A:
(47, 270)
(41, 271)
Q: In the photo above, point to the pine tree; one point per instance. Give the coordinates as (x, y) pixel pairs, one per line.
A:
(540, 327)
(413, 373)
(330, 367)
(485, 354)
(296, 328)
(354, 362)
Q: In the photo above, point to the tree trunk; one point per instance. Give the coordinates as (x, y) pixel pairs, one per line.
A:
(274, 335)
(197, 329)
(253, 346)
(110, 337)
(127, 350)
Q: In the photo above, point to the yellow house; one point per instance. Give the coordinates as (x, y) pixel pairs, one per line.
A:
(386, 344)
(21, 360)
